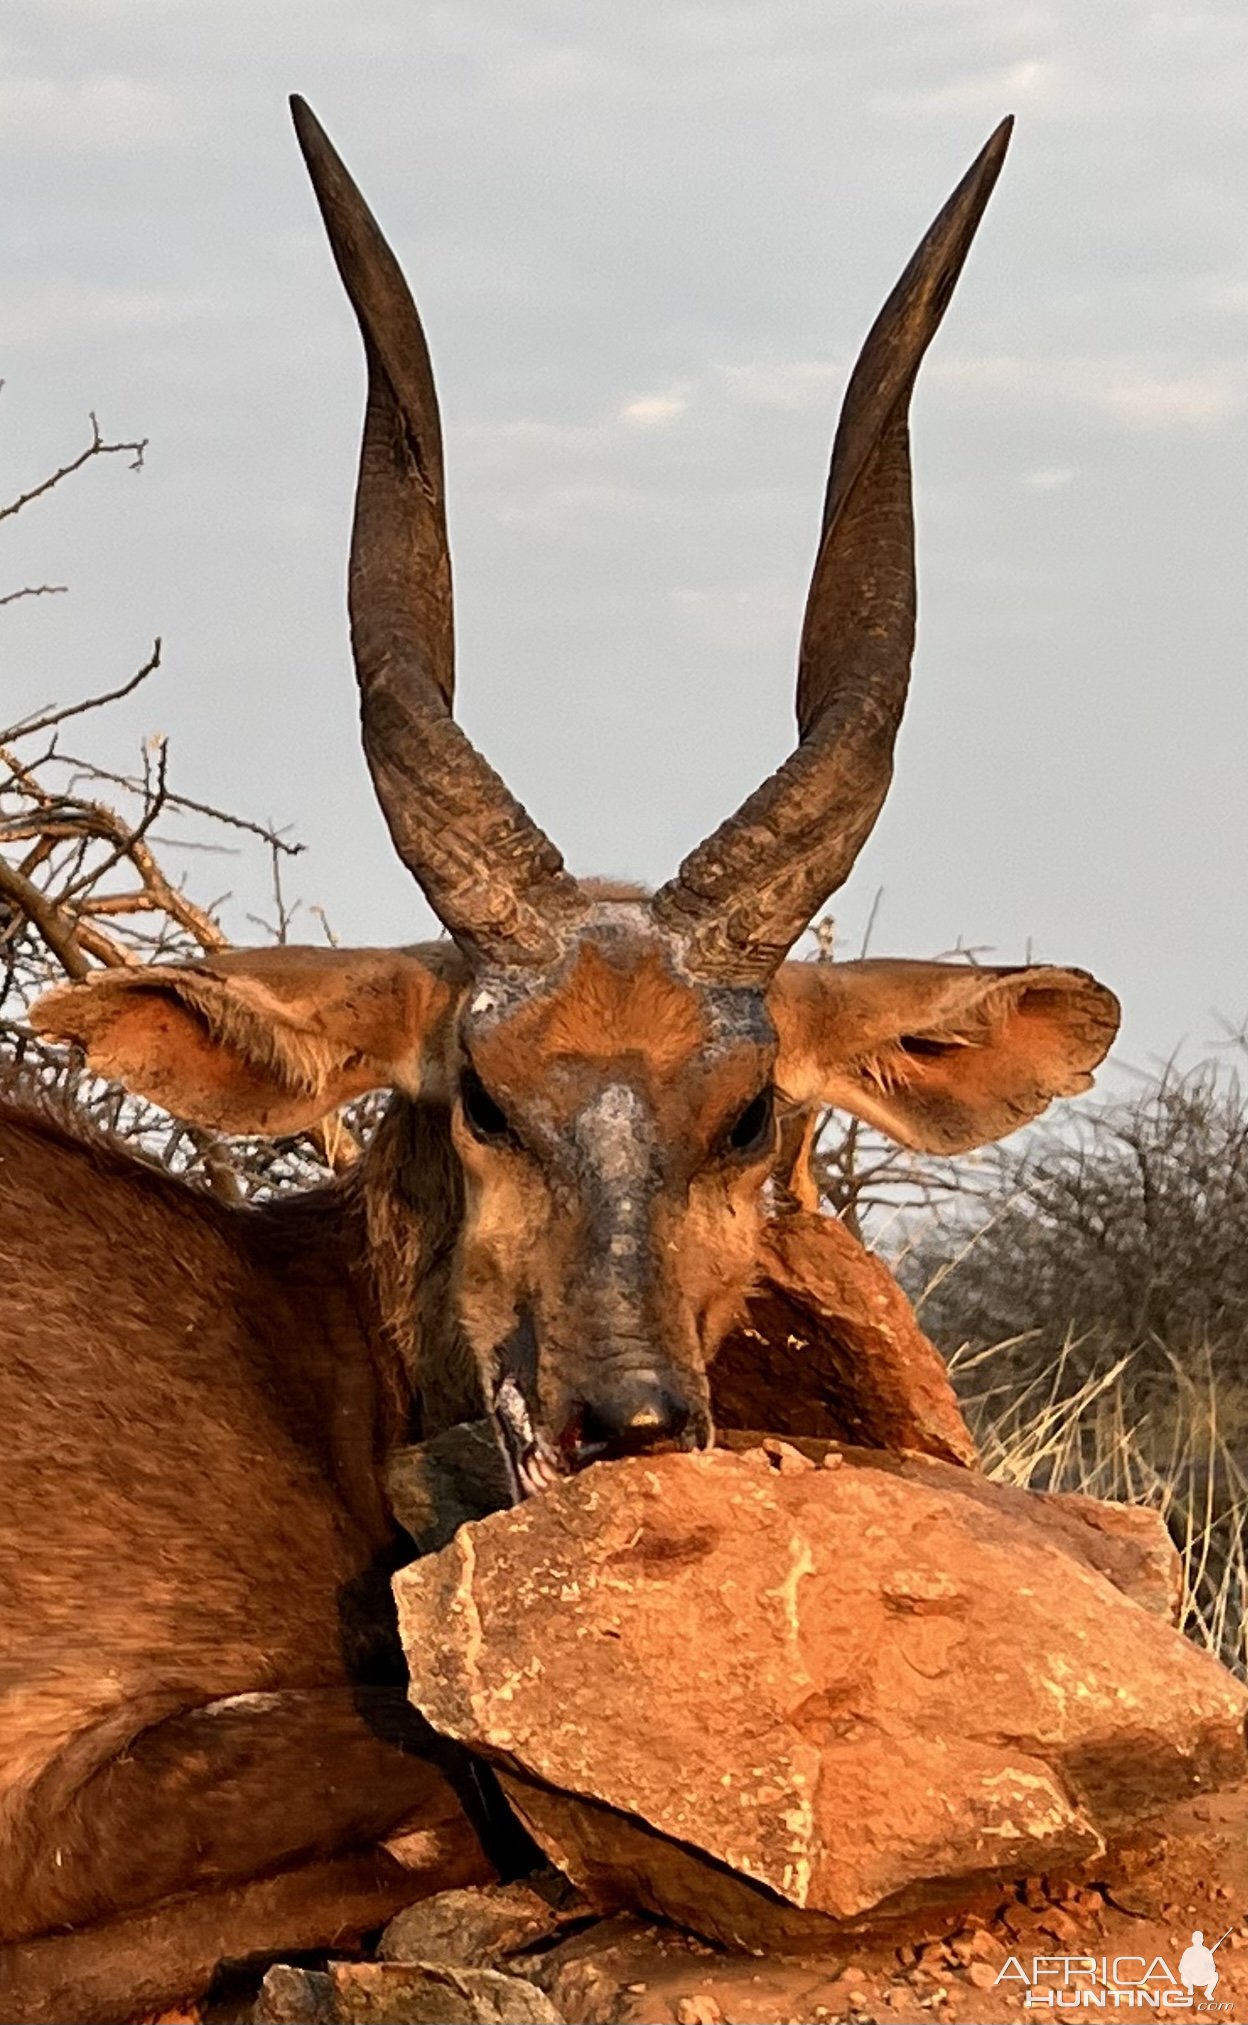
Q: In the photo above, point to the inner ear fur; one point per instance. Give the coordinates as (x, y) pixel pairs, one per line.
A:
(941, 1056)
(267, 1040)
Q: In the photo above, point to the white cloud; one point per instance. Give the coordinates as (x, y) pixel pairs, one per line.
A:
(796, 383)
(106, 114)
(64, 312)
(994, 373)
(654, 411)
(1143, 400)
(1141, 391)
(993, 92)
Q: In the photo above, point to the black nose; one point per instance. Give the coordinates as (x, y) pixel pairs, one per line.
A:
(635, 1415)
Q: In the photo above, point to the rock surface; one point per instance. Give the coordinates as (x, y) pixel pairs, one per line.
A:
(1184, 1868)
(475, 1929)
(830, 1347)
(393, 1993)
(433, 1486)
(768, 1701)
(1128, 1544)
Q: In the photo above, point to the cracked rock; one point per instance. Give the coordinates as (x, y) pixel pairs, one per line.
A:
(768, 1705)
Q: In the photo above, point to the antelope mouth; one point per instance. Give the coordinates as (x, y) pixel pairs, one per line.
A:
(533, 1462)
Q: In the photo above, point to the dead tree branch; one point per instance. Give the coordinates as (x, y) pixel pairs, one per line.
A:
(97, 447)
(34, 591)
(25, 726)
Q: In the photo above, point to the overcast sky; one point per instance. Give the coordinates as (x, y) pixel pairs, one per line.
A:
(647, 241)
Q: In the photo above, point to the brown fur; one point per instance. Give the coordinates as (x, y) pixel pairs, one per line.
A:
(199, 1399)
(630, 1244)
(605, 1012)
(263, 1040)
(195, 1401)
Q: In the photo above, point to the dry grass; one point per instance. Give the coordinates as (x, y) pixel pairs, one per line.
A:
(1091, 1294)
(1049, 1431)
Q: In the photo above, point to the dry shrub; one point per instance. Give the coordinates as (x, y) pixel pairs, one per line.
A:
(92, 873)
(1092, 1301)
(1117, 1230)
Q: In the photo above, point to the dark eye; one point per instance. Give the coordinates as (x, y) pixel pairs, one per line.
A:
(752, 1130)
(925, 1045)
(485, 1119)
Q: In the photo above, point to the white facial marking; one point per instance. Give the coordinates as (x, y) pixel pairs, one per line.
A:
(615, 1131)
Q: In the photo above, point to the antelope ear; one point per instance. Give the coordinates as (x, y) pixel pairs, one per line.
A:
(264, 1040)
(941, 1056)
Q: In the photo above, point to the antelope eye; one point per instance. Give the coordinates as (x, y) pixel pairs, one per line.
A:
(752, 1130)
(925, 1046)
(485, 1119)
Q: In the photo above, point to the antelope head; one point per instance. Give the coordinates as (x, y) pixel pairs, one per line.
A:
(617, 1067)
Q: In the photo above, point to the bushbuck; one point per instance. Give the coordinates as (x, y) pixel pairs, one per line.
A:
(596, 1094)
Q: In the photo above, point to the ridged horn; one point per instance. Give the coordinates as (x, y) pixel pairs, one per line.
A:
(741, 899)
(493, 878)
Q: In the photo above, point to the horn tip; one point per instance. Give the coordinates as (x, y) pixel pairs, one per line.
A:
(998, 141)
(308, 128)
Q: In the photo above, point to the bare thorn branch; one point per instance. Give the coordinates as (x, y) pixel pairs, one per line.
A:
(25, 726)
(97, 447)
(34, 591)
(47, 918)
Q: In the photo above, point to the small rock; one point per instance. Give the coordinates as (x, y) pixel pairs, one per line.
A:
(474, 1928)
(983, 1975)
(700, 2009)
(438, 1484)
(434, 1993)
(783, 1456)
(985, 1947)
(293, 1997)
(581, 1989)
(1061, 1926)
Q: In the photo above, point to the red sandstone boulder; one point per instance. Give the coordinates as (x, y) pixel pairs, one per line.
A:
(766, 1702)
(830, 1347)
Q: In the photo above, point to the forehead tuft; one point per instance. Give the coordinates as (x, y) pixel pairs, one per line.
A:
(610, 1002)
(621, 1004)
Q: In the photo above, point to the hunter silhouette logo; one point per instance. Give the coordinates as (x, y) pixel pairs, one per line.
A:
(1119, 1982)
(1197, 1969)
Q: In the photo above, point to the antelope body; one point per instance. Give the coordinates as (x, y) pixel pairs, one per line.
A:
(557, 1225)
